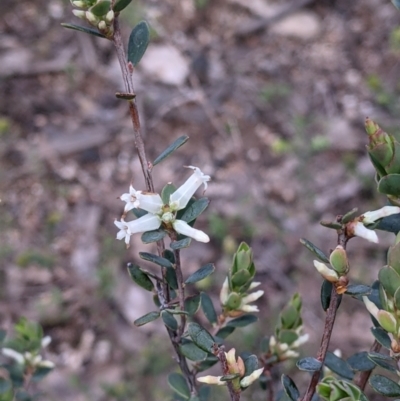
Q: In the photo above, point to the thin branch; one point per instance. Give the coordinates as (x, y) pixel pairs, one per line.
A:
(181, 291)
(329, 322)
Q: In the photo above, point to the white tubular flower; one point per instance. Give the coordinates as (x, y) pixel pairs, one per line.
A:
(290, 354)
(252, 297)
(211, 380)
(123, 231)
(254, 284)
(180, 198)
(150, 202)
(79, 4)
(182, 227)
(372, 308)
(247, 380)
(224, 294)
(46, 364)
(249, 308)
(371, 217)
(19, 358)
(79, 13)
(361, 231)
(300, 341)
(131, 199)
(148, 222)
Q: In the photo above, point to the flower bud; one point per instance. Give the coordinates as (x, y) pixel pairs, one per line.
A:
(91, 18)
(79, 4)
(79, 13)
(234, 301)
(109, 17)
(326, 272)
(338, 260)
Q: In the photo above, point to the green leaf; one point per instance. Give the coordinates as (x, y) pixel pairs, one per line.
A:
(195, 209)
(178, 384)
(169, 320)
(120, 5)
(158, 260)
(208, 308)
(166, 192)
(389, 279)
(5, 385)
(192, 304)
(171, 148)
(390, 224)
(3, 335)
(204, 393)
(334, 225)
(153, 236)
(149, 317)
(40, 373)
(170, 276)
(23, 395)
(138, 212)
(240, 278)
(83, 29)
(338, 366)
(390, 185)
(201, 274)
(309, 364)
(224, 332)
(231, 377)
(210, 361)
(193, 352)
(177, 312)
(242, 321)
(201, 337)
(315, 250)
(358, 289)
(360, 362)
(250, 364)
(290, 388)
(101, 8)
(138, 42)
(139, 277)
(384, 386)
(287, 336)
(382, 337)
(384, 361)
(289, 316)
(183, 243)
(326, 291)
(264, 344)
(393, 257)
(349, 216)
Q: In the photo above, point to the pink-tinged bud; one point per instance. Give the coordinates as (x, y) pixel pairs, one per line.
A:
(338, 260)
(326, 272)
(231, 360)
(241, 367)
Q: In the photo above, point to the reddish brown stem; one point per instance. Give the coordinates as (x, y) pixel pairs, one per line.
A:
(362, 379)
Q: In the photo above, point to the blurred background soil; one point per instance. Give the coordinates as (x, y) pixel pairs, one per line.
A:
(273, 96)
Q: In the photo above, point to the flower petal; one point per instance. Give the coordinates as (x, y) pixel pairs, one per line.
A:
(361, 231)
(182, 227)
(372, 308)
(180, 198)
(249, 308)
(246, 381)
(150, 202)
(326, 272)
(224, 294)
(371, 217)
(252, 297)
(211, 380)
(148, 222)
(123, 231)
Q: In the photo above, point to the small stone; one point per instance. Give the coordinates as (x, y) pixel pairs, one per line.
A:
(303, 25)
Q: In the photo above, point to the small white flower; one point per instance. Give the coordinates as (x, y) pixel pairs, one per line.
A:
(300, 341)
(254, 285)
(150, 202)
(290, 354)
(247, 380)
(371, 217)
(45, 341)
(224, 294)
(249, 308)
(361, 231)
(252, 297)
(131, 199)
(182, 227)
(79, 4)
(18, 357)
(91, 18)
(326, 272)
(123, 231)
(110, 16)
(180, 198)
(79, 13)
(46, 364)
(211, 380)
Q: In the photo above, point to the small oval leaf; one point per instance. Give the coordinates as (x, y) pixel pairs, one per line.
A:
(349, 216)
(153, 236)
(250, 364)
(192, 304)
(224, 332)
(309, 364)
(138, 42)
(243, 321)
(149, 317)
(208, 308)
(201, 337)
(166, 192)
(384, 386)
(183, 243)
(139, 277)
(384, 361)
(326, 292)
(358, 289)
(390, 185)
(120, 5)
(171, 148)
(290, 388)
(338, 366)
(193, 352)
(315, 250)
(158, 260)
(83, 29)
(195, 209)
(170, 276)
(382, 337)
(101, 8)
(169, 320)
(178, 384)
(360, 362)
(201, 274)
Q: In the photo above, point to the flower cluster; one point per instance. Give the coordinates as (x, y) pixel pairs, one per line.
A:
(160, 214)
(97, 13)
